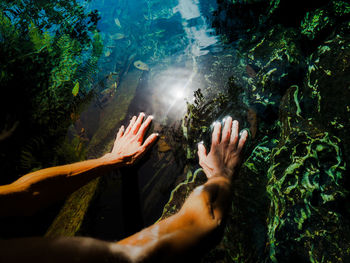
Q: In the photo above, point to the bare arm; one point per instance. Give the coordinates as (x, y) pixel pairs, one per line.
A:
(202, 213)
(38, 189)
(169, 240)
(63, 249)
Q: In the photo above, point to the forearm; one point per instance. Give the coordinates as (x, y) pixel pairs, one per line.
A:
(186, 232)
(40, 188)
(72, 249)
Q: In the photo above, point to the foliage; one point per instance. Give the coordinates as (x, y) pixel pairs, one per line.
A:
(46, 47)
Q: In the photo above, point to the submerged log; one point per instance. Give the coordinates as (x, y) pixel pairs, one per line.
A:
(70, 219)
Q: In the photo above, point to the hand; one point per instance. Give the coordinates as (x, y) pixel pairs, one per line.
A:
(128, 146)
(224, 153)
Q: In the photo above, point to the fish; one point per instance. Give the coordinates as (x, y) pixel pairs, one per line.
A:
(117, 22)
(107, 53)
(163, 146)
(251, 71)
(75, 90)
(253, 121)
(141, 65)
(117, 36)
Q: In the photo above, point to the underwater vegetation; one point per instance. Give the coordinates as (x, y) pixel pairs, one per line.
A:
(289, 83)
(283, 73)
(49, 52)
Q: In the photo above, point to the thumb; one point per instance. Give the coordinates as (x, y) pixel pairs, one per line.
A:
(202, 152)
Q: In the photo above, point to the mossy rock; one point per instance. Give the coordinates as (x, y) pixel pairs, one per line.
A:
(277, 60)
(306, 187)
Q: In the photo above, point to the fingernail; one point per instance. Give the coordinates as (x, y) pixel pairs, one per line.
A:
(157, 134)
(201, 142)
(243, 133)
(142, 113)
(151, 116)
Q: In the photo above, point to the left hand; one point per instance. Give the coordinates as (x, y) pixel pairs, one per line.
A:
(128, 146)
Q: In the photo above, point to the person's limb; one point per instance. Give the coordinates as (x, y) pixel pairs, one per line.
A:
(204, 209)
(64, 249)
(166, 241)
(35, 190)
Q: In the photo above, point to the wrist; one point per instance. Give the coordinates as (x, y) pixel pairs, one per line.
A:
(111, 160)
(225, 173)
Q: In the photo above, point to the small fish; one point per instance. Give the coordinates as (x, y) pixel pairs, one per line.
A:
(163, 146)
(115, 85)
(251, 71)
(253, 121)
(117, 36)
(117, 22)
(75, 90)
(141, 65)
(107, 53)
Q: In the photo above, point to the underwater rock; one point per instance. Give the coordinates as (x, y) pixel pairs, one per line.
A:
(278, 59)
(306, 189)
(326, 90)
(141, 65)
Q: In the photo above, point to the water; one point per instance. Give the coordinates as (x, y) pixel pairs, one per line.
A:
(280, 68)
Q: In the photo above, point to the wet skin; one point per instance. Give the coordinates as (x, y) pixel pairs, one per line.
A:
(170, 240)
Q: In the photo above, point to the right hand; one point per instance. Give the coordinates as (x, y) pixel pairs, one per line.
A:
(225, 151)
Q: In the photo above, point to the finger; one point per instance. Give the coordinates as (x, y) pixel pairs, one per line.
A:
(137, 124)
(226, 131)
(215, 139)
(202, 152)
(143, 128)
(242, 141)
(132, 121)
(150, 140)
(120, 132)
(234, 133)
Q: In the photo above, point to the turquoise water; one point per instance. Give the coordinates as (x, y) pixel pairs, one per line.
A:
(73, 72)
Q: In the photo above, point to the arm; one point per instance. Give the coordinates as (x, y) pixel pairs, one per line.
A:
(186, 232)
(166, 241)
(38, 189)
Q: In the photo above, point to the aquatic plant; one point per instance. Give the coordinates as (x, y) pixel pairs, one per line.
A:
(47, 47)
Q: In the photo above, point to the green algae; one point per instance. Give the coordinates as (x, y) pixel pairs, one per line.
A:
(314, 22)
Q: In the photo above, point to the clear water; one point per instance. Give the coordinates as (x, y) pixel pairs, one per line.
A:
(168, 38)
(279, 67)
